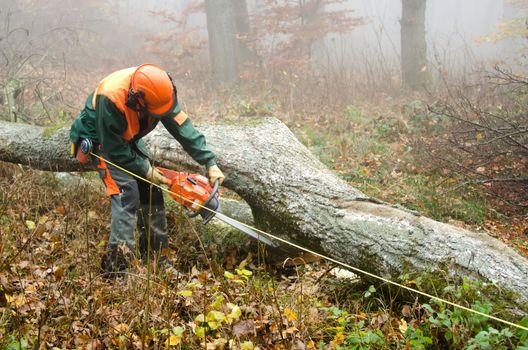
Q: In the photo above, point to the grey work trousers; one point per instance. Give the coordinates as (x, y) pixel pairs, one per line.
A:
(135, 204)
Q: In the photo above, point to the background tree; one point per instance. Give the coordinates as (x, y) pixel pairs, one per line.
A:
(413, 45)
(293, 27)
(513, 29)
(40, 43)
(227, 26)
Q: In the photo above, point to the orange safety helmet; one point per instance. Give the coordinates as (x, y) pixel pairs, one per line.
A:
(152, 90)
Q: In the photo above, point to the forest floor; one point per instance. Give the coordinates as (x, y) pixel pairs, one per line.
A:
(223, 293)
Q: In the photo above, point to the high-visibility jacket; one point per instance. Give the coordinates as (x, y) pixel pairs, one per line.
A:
(118, 129)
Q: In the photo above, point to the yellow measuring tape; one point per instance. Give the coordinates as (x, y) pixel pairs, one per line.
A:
(350, 267)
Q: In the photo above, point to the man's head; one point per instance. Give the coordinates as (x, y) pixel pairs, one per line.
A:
(151, 88)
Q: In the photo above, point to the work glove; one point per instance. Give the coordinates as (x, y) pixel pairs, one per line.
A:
(157, 177)
(214, 174)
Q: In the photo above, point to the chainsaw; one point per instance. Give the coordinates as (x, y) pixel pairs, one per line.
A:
(194, 192)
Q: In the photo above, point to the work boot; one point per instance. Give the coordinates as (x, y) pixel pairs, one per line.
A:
(165, 266)
(115, 261)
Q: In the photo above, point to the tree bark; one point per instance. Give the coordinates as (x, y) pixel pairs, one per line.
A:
(227, 28)
(293, 195)
(415, 74)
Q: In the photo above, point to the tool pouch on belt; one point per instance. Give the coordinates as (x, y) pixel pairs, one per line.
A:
(81, 150)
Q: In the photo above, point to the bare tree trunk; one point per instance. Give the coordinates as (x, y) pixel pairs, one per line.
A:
(413, 45)
(293, 195)
(227, 27)
(242, 31)
(311, 14)
(10, 92)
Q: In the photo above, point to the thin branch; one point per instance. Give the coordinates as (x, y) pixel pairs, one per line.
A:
(42, 102)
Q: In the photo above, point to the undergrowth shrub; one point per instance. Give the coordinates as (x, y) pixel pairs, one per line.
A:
(486, 140)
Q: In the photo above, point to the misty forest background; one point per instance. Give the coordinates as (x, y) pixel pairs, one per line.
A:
(419, 103)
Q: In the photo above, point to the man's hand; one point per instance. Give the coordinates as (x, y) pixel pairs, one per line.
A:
(157, 177)
(215, 173)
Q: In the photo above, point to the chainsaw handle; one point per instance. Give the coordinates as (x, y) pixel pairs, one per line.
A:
(215, 190)
(204, 204)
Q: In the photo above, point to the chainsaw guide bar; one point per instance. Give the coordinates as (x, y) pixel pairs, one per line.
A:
(194, 192)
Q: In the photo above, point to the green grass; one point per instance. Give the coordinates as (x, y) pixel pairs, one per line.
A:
(220, 286)
(369, 153)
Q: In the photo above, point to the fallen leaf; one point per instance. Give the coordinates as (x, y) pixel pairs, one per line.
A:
(214, 315)
(403, 326)
(17, 300)
(219, 343)
(214, 325)
(42, 220)
(118, 342)
(121, 328)
(291, 330)
(58, 273)
(177, 331)
(84, 341)
(91, 345)
(185, 293)
(173, 340)
(406, 311)
(200, 319)
(290, 314)
(30, 289)
(244, 327)
(298, 345)
(235, 313)
(219, 301)
(243, 272)
(200, 332)
(30, 224)
(339, 338)
(247, 345)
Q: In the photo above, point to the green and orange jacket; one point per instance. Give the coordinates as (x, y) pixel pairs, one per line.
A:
(118, 129)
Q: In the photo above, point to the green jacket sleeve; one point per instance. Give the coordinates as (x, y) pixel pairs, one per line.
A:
(110, 124)
(192, 141)
(83, 126)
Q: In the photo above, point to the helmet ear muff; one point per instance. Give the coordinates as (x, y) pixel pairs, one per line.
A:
(133, 98)
(150, 80)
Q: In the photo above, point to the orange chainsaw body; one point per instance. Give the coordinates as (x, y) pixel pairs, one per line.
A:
(194, 192)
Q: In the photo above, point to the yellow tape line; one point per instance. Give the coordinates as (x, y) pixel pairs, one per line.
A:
(327, 257)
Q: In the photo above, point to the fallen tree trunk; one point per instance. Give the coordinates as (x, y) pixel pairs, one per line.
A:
(293, 195)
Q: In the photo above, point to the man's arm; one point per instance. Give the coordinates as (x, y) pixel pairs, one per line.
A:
(110, 124)
(192, 141)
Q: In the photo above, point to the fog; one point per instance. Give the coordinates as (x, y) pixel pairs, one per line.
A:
(455, 29)
(58, 37)
(451, 25)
